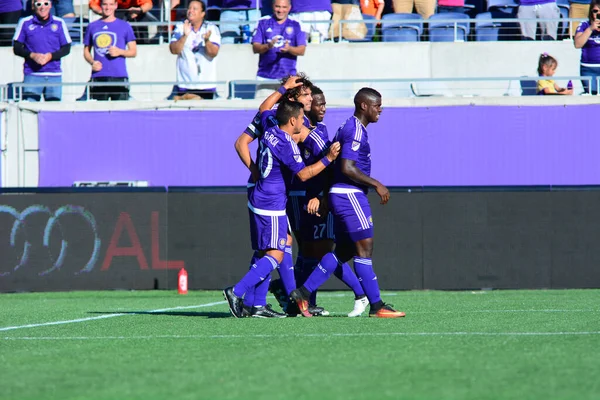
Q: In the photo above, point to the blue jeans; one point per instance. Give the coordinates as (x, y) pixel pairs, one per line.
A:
(34, 93)
(594, 72)
(231, 32)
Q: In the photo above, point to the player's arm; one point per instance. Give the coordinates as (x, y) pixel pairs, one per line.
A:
(349, 168)
(242, 147)
(315, 169)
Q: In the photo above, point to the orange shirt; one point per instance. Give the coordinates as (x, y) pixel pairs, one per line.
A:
(122, 4)
(370, 7)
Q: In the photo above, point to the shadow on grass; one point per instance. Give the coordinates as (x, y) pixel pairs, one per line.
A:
(206, 314)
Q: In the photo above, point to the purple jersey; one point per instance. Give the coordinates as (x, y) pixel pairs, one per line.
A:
(241, 4)
(590, 52)
(354, 143)
(7, 6)
(42, 37)
(313, 149)
(279, 160)
(103, 35)
(274, 64)
(299, 6)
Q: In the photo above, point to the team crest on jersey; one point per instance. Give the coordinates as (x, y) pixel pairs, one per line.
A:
(355, 145)
(54, 27)
(289, 30)
(306, 154)
(31, 27)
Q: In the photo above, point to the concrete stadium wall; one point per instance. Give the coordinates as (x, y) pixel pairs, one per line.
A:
(335, 61)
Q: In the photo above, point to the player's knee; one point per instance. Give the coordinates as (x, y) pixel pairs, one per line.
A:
(276, 254)
(364, 248)
(289, 240)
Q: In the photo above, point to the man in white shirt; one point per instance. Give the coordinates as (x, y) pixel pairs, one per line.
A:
(196, 44)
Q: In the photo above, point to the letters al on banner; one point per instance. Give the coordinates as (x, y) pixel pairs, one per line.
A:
(53, 227)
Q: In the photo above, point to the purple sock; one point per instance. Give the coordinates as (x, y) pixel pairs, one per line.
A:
(257, 274)
(286, 271)
(260, 293)
(322, 272)
(249, 297)
(367, 278)
(346, 275)
(307, 268)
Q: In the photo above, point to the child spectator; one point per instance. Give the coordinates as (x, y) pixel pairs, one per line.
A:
(546, 68)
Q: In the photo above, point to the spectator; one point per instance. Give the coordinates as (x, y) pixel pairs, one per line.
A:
(131, 11)
(313, 16)
(546, 68)
(425, 8)
(577, 9)
(10, 12)
(196, 44)
(542, 9)
(279, 41)
(42, 40)
(447, 6)
(235, 15)
(372, 7)
(347, 10)
(587, 38)
(112, 40)
(63, 8)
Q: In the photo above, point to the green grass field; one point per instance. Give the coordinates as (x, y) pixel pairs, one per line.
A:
(159, 345)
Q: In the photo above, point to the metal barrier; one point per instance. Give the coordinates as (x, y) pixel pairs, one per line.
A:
(333, 88)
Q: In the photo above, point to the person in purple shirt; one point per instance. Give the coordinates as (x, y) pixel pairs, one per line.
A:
(314, 16)
(352, 213)
(10, 12)
(112, 40)
(279, 41)
(279, 161)
(42, 40)
(587, 38)
(237, 16)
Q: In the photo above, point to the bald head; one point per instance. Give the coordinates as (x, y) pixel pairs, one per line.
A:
(365, 95)
(367, 105)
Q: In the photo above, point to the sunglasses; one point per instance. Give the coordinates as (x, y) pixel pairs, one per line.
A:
(39, 4)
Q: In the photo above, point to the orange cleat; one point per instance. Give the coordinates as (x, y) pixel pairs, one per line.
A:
(301, 302)
(386, 312)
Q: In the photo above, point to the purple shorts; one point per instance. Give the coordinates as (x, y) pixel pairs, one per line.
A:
(268, 231)
(352, 216)
(313, 228)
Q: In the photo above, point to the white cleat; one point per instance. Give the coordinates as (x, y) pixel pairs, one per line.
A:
(360, 306)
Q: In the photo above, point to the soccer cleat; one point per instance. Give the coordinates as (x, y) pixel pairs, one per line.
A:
(236, 305)
(386, 312)
(317, 311)
(360, 305)
(266, 312)
(301, 302)
(246, 311)
(276, 288)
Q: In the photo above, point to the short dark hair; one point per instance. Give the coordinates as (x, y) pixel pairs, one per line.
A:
(202, 3)
(365, 94)
(297, 91)
(288, 109)
(316, 90)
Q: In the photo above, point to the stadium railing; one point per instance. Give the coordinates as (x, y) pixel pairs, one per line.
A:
(333, 88)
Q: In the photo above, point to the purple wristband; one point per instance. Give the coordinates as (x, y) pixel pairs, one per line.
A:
(325, 161)
(282, 90)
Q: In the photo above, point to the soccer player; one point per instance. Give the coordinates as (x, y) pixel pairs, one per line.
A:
(279, 161)
(293, 88)
(350, 206)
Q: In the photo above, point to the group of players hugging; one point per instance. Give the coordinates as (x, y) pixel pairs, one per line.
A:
(302, 183)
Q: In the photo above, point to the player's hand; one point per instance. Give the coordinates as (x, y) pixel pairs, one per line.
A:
(383, 193)
(286, 47)
(114, 51)
(254, 173)
(292, 82)
(206, 36)
(44, 58)
(313, 206)
(187, 27)
(334, 151)
(271, 43)
(96, 66)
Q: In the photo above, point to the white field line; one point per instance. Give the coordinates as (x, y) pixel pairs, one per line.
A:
(75, 321)
(305, 335)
